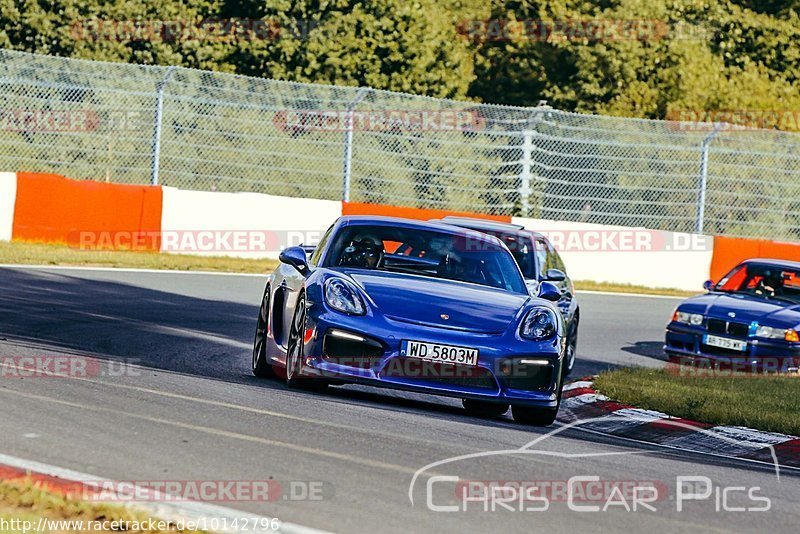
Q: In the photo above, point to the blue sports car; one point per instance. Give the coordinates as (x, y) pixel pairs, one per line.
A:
(748, 320)
(418, 306)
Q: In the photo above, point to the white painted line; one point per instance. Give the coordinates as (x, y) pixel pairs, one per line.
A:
(578, 384)
(197, 512)
(622, 294)
(257, 275)
(122, 270)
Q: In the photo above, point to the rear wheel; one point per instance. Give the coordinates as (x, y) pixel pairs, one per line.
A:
(295, 352)
(483, 408)
(261, 366)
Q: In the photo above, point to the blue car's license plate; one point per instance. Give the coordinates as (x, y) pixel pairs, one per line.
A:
(436, 352)
(725, 342)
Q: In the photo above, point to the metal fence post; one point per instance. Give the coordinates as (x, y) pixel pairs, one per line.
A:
(526, 174)
(157, 125)
(701, 201)
(347, 168)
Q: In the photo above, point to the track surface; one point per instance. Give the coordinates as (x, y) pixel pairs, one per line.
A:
(194, 412)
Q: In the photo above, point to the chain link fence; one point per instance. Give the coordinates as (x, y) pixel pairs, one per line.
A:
(220, 132)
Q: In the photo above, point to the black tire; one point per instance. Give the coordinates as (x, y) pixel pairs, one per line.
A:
(261, 366)
(526, 415)
(569, 357)
(294, 351)
(483, 408)
(572, 350)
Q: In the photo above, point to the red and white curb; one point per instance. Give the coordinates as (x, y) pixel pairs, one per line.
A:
(580, 401)
(215, 518)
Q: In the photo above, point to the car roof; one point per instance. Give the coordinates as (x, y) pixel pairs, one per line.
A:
(399, 222)
(775, 262)
(474, 223)
(487, 225)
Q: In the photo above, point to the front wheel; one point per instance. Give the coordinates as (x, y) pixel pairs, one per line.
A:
(261, 367)
(526, 415)
(295, 351)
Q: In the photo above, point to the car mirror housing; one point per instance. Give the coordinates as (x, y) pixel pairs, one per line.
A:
(296, 257)
(708, 285)
(549, 291)
(555, 275)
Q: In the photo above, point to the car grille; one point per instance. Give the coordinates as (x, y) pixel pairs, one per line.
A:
(529, 377)
(353, 353)
(439, 373)
(719, 326)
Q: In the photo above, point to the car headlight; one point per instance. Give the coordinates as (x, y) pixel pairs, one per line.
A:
(539, 324)
(343, 297)
(694, 319)
(777, 333)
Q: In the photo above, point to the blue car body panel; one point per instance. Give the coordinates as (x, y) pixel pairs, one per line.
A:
(402, 307)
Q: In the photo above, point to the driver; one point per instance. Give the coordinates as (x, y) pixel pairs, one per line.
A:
(364, 251)
(770, 285)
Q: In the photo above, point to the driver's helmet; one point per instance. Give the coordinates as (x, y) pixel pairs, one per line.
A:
(363, 251)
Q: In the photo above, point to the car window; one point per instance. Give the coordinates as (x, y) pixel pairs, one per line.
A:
(764, 281)
(314, 260)
(475, 258)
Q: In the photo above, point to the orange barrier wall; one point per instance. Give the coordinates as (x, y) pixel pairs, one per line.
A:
(357, 208)
(729, 251)
(52, 208)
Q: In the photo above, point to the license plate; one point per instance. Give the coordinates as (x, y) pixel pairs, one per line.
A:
(725, 343)
(434, 352)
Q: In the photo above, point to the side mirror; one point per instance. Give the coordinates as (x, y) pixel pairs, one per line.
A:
(549, 291)
(296, 257)
(708, 285)
(555, 275)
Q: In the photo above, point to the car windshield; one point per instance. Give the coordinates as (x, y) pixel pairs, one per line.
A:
(521, 246)
(764, 281)
(472, 258)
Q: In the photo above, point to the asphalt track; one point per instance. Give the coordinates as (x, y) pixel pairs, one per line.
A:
(190, 410)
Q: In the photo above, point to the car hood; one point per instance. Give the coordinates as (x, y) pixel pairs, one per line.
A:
(441, 303)
(747, 309)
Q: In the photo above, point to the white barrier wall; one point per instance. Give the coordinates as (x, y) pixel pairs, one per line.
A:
(245, 225)
(626, 255)
(8, 195)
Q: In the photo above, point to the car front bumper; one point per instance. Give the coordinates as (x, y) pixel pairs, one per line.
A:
(684, 344)
(497, 377)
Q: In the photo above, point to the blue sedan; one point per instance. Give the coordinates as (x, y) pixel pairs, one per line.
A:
(417, 306)
(749, 320)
